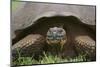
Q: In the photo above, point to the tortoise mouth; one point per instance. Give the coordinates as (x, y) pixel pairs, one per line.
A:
(53, 41)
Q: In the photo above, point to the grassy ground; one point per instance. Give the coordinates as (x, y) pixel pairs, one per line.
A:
(47, 59)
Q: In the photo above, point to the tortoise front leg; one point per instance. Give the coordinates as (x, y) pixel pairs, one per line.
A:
(31, 45)
(86, 45)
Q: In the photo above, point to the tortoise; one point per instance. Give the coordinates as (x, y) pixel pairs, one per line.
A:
(59, 34)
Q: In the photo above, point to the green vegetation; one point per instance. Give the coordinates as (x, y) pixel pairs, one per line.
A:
(47, 59)
(15, 4)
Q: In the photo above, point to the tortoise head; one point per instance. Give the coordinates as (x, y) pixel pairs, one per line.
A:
(56, 35)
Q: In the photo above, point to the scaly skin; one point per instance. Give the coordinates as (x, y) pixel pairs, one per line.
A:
(29, 45)
(86, 45)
